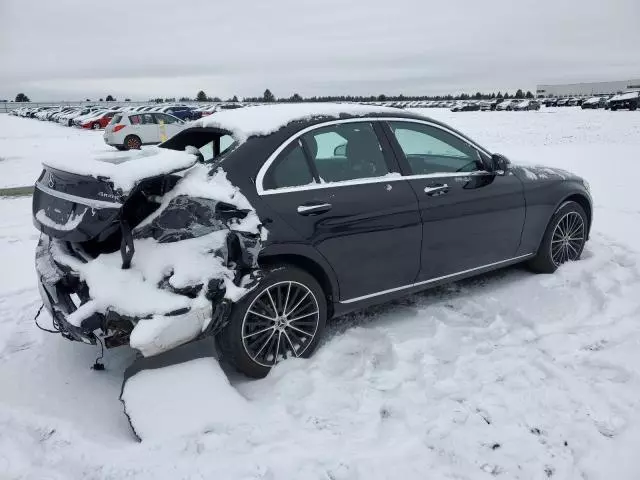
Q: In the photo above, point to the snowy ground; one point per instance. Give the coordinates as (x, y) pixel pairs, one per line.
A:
(510, 375)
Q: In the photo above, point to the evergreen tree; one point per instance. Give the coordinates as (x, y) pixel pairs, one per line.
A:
(295, 98)
(519, 93)
(529, 94)
(21, 97)
(235, 99)
(499, 95)
(201, 96)
(268, 96)
(110, 98)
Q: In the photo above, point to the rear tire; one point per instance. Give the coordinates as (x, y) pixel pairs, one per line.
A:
(283, 316)
(563, 240)
(132, 142)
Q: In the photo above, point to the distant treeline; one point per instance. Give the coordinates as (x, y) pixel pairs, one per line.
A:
(269, 97)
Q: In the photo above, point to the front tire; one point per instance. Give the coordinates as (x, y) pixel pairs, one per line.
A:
(563, 240)
(284, 316)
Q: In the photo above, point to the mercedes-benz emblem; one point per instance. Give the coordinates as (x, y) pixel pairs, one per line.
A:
(52, 182)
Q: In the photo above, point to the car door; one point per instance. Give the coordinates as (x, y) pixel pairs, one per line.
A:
(471, 217)
(339, 187)
(148, 128)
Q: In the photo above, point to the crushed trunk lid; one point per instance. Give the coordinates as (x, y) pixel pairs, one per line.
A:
(80, 200)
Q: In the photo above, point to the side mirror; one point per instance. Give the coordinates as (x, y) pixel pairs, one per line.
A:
(340, 150)
(500, 164)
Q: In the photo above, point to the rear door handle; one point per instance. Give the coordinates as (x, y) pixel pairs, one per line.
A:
(436, 189)
(314, 208)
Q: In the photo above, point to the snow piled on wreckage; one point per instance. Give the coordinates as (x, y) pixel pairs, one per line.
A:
(190, 255)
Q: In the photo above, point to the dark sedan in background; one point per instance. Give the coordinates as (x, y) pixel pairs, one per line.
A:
(362, 206)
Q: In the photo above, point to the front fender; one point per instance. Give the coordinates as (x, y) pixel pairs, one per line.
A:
(545, 190)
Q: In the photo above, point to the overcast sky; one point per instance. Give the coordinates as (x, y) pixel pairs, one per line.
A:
(76, 49)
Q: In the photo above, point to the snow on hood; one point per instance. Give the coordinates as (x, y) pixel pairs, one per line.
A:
(265, 119)
(125, 169)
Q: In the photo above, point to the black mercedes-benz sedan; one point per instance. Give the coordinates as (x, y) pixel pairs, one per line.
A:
(257, 225)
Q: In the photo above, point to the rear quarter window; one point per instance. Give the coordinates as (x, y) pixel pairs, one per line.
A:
(116, 119)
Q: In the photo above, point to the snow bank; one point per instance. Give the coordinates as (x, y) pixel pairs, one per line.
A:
(124, 169)
(180, 399)
(265, 119)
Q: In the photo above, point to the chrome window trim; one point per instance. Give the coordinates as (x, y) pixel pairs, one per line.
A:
(433, 280)
(89, 202)
(315, 186)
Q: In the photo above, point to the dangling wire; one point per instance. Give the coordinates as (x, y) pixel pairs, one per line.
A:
(35, 319)
(98, 365)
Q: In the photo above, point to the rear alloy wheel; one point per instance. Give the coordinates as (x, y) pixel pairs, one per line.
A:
(563, 240)
(96, 126)
(132, 142)
(283, 317)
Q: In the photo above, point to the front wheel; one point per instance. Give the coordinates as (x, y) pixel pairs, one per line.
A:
(283, 317)
(132, 142)
(563, 240)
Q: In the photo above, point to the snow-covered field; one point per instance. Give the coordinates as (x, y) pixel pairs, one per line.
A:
(510, 375)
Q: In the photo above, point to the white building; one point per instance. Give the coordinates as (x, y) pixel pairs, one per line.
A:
(583, 89)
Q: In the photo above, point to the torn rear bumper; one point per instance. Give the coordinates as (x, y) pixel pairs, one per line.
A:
(63, 292)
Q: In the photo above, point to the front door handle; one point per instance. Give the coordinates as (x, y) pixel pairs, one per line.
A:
(436, 189)
(314, 208)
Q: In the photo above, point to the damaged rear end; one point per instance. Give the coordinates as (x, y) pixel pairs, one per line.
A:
(128, 255)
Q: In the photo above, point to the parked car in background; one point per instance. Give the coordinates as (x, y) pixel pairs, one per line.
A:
(99, 120)
(628, 100)
(506, 105)
(526, 105)
(466, 107)
(131, 130)
(550, 102)
(562, 102)
(594, 103)
(183, 112)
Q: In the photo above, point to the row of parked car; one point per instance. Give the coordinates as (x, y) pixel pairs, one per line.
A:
(628, 100)
(126, 127)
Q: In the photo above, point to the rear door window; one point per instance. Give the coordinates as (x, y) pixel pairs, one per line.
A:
(134, 119)
(164, 118)
(147, 119)
(290, 169)
(346, 151)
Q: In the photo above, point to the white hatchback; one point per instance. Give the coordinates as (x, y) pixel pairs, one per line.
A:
(131, 130)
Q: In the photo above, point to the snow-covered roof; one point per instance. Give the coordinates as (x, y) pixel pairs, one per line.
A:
(265, 119)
